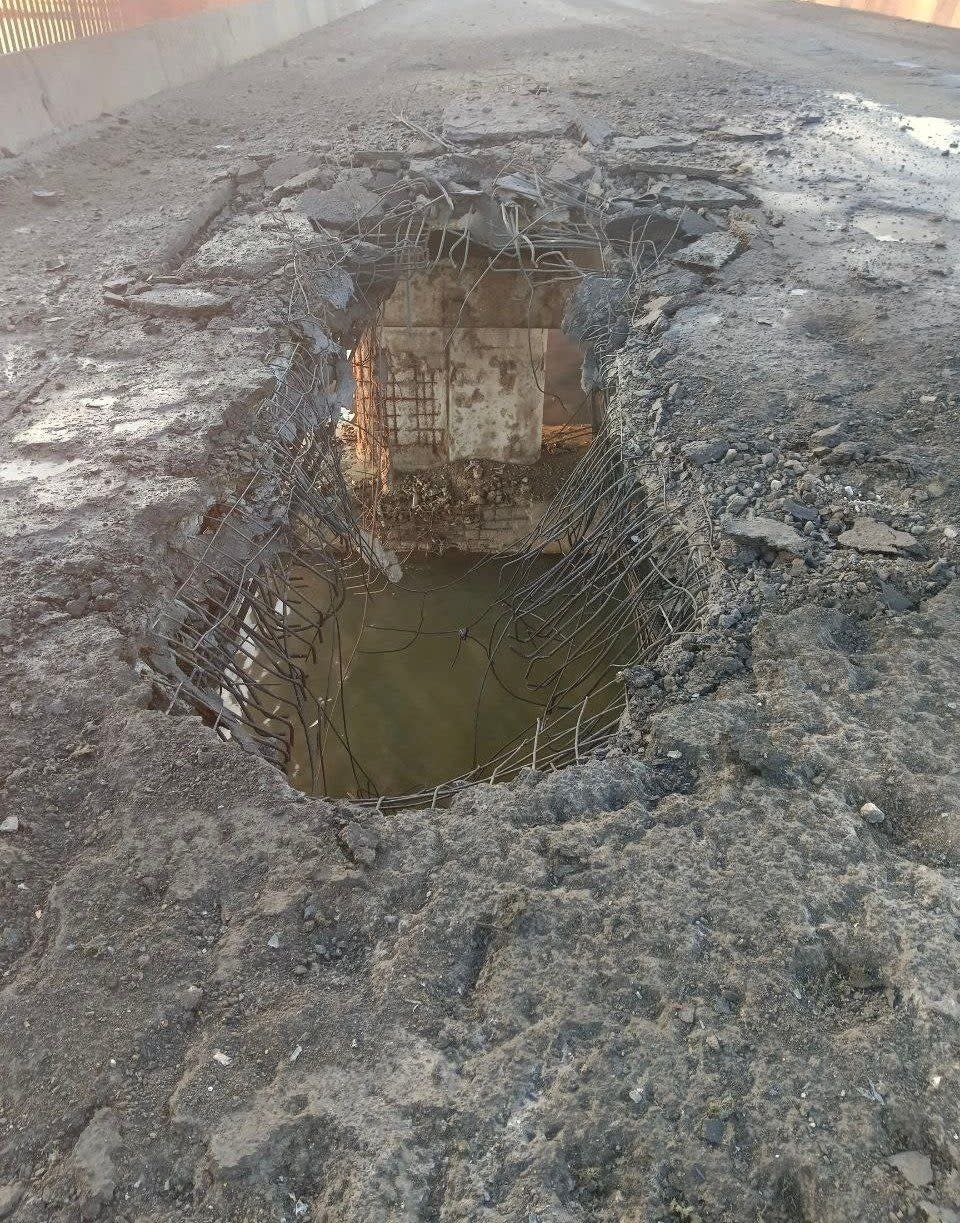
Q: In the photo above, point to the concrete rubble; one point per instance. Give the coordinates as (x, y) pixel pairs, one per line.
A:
(711, 252)
(177, 301)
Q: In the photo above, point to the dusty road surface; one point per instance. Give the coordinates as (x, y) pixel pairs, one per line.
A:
(708, 972)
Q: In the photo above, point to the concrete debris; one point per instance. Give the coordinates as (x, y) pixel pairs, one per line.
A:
(92, 1161)
(521, 185)
(292, 165)
(595, 318)
(10, 1195)
(571, 168)
(346, 203)
(246, 170)
(491, 118)
(693, 224)
(392, 160)
(178, 301)
(735, 132)
(186, 231)
(710, 253)
(701, 453)
(360, 844)
(829, 437)
(872, 813)
(765, 533)
(796, 509)
(593, 129)
(643, 145)
(249, 250)
(868, 535)
(495, 118)
(914, 1167)
(309, 178)
(634, 226)
(696, 193)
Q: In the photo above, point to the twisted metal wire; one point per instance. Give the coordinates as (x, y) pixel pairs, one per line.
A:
(240, 635)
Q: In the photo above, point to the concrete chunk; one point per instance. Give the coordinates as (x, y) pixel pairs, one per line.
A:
(290, 166)
(249, 250)
(178, 301)
(913, 1166)
(570, 168)
(867, 535)
(701, 453)
(697, 193)
(490, 118)
(765, 533)
(740, 134)
(710, 253)
(342, 205)
(634, 226)
(643, 145)
(317, 177)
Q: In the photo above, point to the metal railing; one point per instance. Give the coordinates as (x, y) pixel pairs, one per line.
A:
(25, 24)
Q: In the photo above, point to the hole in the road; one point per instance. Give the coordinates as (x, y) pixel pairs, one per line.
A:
(439, 562)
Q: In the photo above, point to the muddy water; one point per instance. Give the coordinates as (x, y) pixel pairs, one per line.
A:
(420, 704)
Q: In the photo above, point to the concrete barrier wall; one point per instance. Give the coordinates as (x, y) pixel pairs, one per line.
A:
(934, 12)
(49, 89)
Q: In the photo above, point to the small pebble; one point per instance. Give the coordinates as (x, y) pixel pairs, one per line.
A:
(872, 813)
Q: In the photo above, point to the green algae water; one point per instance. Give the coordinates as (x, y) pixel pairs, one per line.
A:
(420, 703)
(404, 694)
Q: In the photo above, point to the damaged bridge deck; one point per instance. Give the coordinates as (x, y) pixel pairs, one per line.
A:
(706, 972)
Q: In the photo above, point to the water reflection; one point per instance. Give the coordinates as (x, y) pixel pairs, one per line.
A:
(421, 702)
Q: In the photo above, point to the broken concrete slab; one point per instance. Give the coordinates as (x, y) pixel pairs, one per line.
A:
(710, 253)
(698, 193)
(380, 159)
(490, 119)
(572, 168)
(251, 248)
(868, 535)
(344, 204)
(735, 132)
(178, 301)
(796, 509)
(318, 177)
(644, 145)
(692, 224)
(289, 166)
(591, 128)
(765, 533)
(634, 226)
(495, 118)
(245, 170)
(914, 1167)
(186, 231)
